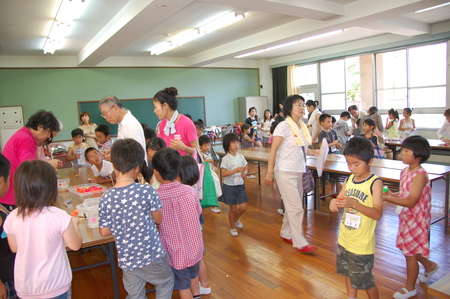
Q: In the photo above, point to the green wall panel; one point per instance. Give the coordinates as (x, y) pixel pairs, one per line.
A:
(60, 90)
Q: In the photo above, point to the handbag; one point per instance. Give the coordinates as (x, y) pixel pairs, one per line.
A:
(209, 189)
(307, 179)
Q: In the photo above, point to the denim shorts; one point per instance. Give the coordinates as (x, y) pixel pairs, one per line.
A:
(66, 295)
(183, 277)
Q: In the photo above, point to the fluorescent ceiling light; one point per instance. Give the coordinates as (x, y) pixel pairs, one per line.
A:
(289, 43)
(51, 45)
(67, 12)
(432, 7)
(321, 35)
(185, 38)
(282, 45)
(163, 48)
(218, 23)
(222, 22)
(251, 53)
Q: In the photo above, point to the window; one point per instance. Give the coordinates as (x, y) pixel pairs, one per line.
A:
(391, 79)
(414, 77)
(340, 83)
(432, 121)
(306, 75)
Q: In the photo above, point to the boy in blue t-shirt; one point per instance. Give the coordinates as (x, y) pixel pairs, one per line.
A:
(130, 212)
(329, 135)
(6, 256)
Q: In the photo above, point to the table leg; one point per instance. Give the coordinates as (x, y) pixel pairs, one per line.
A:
(112, 262)
(394, 152)
(446, 207)
(259, 173)
(316, 192)
(446, 203)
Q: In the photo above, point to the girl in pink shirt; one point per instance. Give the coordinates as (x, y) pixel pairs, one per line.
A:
(177, 130)
(36, 232)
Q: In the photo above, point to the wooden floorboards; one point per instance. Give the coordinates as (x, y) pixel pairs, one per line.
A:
(259, 264)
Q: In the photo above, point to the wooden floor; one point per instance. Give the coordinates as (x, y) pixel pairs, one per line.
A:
(258, 264)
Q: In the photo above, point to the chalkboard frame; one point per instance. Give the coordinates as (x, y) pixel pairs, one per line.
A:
(142, 109)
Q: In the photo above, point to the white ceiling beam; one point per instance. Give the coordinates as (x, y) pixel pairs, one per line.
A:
(357, 14)
(317, 9)
(133, 20)
(400, 26)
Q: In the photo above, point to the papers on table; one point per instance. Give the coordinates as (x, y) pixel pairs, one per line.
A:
(322, 158)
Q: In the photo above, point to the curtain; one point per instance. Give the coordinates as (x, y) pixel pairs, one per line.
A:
(279, 80)
(291, 88)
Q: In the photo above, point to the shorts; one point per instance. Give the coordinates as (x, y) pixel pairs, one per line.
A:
(183, 277)
(10, 291)
(233, 195)
(357, 267)
(66, 295)
(265, 139)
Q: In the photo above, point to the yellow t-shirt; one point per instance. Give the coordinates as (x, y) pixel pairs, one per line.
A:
(359, 240)
(393, 131)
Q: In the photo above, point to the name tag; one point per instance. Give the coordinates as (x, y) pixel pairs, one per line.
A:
(398, 209)
(239, 181)
(352, 220)
(177, 137)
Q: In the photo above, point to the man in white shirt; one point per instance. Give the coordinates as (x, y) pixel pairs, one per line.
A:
(355, 115)
(129, 127)
(445, 130)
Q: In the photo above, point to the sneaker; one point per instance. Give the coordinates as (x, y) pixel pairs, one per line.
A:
(406, 295)
(215, 210)
(307, 249)
(204, 291)
(239, 224)
(280, 211)
(427, 277)
(233, 232)
(251, 177)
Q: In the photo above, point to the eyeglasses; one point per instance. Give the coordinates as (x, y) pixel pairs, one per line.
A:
(299, 105)
(103, 114)
(49, 139)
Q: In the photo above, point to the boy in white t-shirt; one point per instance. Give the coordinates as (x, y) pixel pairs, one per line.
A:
(103, 170)
(342, 130)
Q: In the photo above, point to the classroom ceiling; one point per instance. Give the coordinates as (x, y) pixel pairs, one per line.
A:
(125, 29)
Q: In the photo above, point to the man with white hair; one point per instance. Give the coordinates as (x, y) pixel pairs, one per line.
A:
(113, 111)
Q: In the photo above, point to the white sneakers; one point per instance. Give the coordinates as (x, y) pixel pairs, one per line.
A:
(239, 224)
(233, 232)
(204, 291)
(215, 210)
(406, 295)
(427, 277)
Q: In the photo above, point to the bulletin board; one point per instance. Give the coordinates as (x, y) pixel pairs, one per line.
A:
(142, 109)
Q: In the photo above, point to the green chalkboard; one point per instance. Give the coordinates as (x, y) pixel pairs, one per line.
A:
(142, 109)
